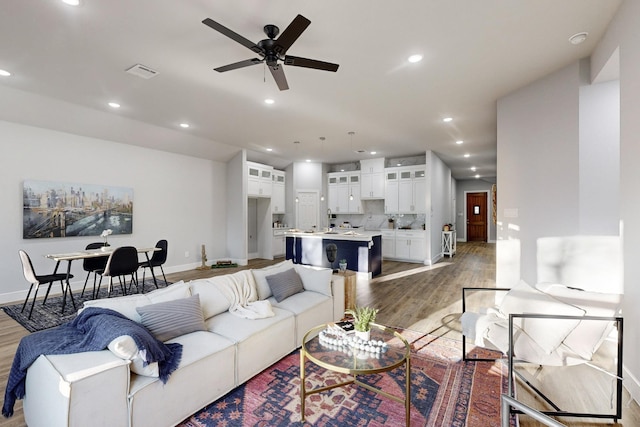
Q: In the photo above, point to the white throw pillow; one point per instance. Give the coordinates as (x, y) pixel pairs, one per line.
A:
(587, 337)
(547, 333)
(260, 276)
(316, 279)
(125, 348)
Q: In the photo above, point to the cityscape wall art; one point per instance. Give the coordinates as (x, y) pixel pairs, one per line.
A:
(57, 209)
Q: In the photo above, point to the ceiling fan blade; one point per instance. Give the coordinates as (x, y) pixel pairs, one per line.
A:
(296, 61)
(291, 34)
(278, 75)
(232, 35)
(236, 65)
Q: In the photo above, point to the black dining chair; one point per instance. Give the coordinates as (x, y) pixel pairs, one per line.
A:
(94, 266)
(37, 280)
(122, 262)
(157, 259)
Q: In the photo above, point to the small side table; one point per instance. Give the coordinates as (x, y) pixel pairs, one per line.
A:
(349, 289)
(448, 243)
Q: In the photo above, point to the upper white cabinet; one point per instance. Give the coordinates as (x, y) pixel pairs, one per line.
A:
(344, 192)
(260, 180)
(372, 179)
(405, 190)
(278, 192)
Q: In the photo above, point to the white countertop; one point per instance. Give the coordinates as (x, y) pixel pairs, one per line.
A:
(337, 234)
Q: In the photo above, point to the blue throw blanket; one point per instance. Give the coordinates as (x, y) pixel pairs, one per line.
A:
(92, 330)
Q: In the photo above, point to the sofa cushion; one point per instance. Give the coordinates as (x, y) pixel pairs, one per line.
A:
(547, 333)
(170, 319)
(316, 279)
(588, 335)
(285, 284)
(260, 275)
(176, 290)
(125, 305)
(212, 300)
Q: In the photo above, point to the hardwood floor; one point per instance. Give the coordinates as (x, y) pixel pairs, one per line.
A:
(411, 296)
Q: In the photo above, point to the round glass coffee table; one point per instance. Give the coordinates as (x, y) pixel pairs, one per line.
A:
(331, 353)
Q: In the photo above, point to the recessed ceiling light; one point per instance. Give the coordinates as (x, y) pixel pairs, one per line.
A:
(308, 160)
(473, 168)
(477, 176)
(71, 2)
(114, 105)
(459, 142)
(269, 101)
(578, 38)
(467, 155)
(4, 73)
(184, 125)
(269, 149)
(398, 164)
(415, 58)
(447, 119)
(341, 170)
(374, 152)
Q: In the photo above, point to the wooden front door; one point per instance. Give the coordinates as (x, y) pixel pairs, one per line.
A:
(476, 217)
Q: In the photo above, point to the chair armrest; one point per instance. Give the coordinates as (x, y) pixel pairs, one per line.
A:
(473, 289)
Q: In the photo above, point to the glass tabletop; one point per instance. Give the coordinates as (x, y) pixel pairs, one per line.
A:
(387, 349)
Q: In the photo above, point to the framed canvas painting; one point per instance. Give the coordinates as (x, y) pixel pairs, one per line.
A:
(57, 209)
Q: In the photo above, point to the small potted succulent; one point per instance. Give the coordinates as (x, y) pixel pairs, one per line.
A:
(362, 319)
(343, 265)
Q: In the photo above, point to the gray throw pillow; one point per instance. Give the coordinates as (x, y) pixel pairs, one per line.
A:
(166, 320)
(285, 284)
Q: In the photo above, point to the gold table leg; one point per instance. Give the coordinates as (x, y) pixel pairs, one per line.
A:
(302, 385)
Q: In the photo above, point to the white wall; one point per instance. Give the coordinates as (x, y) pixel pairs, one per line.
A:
(175, 197)
(623, 34)
(538, 173)
(600, 158)
(236, 205)
(439, 194)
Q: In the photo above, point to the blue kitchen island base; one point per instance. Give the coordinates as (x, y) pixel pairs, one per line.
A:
(362, 251)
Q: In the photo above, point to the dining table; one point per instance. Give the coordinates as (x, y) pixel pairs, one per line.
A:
(105, 251)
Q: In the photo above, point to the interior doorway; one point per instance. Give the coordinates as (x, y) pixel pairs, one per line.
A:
(477, 216)
(307, 210)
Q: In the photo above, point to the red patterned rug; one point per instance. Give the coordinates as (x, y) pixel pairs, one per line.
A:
(445, 391)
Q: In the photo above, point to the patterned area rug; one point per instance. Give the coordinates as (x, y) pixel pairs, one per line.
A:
(445, 392)
(49, 315)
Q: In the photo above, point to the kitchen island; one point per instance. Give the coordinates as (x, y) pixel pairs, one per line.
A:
(361, 249)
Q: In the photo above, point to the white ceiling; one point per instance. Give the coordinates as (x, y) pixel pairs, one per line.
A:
(474, 53)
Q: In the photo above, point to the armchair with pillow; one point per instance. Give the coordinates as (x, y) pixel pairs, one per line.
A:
(561, 321)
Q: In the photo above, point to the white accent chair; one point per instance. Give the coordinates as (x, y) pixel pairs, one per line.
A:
(562, 320)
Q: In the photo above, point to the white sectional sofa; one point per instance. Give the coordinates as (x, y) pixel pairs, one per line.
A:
(103, 389)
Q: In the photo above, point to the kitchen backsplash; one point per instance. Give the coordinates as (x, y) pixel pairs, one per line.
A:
(374, 218)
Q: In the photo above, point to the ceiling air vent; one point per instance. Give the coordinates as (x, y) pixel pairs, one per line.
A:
(142, 71)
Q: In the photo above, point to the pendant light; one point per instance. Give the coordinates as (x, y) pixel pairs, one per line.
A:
(351, 133)
(322, 138)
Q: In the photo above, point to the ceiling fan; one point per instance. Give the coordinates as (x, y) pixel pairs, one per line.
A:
(272, 50)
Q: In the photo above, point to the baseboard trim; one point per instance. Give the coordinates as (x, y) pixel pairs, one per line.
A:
(632, 384)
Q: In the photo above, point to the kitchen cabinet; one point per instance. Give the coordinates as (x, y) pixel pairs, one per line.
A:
(404, 245)
(405, 190)
(260, 181)
(344, 192)
(278, 243)
(388, 244)
(391, 191)
(278, 192)
(372, 179)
